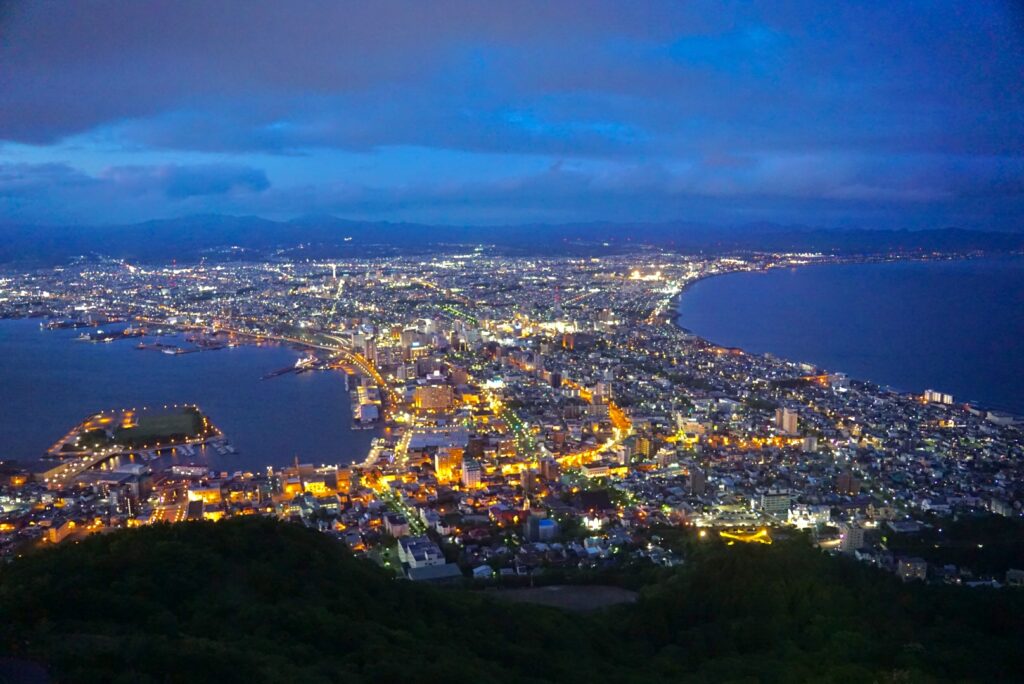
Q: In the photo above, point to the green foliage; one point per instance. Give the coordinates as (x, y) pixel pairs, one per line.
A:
(790, 613)
(174, 426)
(983, 543)
(758, 404)
(260, 601)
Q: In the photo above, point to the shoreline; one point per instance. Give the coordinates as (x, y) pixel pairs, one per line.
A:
(676, 301)
(243, 364)
(838, 261)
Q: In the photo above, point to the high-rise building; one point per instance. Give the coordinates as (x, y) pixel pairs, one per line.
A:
(447, 463)
(666, 457)
(472, 473)
(851, 537)
(433, 397)
(696, 481)
(775, 502)
(938, 397)
(786, 420)
(408, 336)
(549, 469)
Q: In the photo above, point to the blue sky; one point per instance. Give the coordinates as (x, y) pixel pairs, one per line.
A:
(874, 115)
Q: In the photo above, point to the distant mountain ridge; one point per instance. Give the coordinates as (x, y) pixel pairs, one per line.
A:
(221, 236)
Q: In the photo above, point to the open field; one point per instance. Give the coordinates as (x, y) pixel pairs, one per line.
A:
(161, 428)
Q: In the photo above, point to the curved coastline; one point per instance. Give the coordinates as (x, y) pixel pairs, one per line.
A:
(47, 369)
(678, 297)
(676, 301)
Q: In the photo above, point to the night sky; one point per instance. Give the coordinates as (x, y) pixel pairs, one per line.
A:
(874, 115)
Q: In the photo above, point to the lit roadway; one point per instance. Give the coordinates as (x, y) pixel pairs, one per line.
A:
(70, 469)
(396, 505)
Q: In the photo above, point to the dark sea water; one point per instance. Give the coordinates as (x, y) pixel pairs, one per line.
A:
(49, 382)
(953, 326)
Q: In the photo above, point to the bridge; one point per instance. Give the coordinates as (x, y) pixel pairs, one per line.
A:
(62, 474)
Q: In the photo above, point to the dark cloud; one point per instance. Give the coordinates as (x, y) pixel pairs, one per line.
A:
(898, 112)
(179, 182)
(47, 193)
(859, 192)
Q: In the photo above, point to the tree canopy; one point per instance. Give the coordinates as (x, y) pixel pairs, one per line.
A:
(262, 601)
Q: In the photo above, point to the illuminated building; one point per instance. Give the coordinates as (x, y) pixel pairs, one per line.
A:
(418, 351)
(912, 569)
(419, 552)
(666, 457)
(851, 537)
(775, 502)
(447, 462)
(938, 397)
(208, 494)
(471, 473)
(433, 397)
(804, 515)
(396, 524)
(320, 485)
(424, 560)
(59, 533)
(786, 420)
(595, 470)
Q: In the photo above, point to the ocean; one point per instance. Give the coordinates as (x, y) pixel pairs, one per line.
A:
(953, 326)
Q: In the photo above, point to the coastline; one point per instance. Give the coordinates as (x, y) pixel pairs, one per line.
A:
(230, 391)
(676, 322)
(836, 261)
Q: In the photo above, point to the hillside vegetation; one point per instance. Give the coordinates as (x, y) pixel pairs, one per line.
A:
(260, 601)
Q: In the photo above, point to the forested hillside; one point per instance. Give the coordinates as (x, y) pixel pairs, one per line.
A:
(260, 601)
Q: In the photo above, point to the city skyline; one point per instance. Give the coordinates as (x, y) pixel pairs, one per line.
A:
(468, 341)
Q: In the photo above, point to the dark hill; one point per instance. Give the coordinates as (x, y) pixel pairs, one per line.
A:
(253, 600)
(259, 601)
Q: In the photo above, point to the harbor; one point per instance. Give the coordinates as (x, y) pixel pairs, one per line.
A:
(136, 434)
(269, 423)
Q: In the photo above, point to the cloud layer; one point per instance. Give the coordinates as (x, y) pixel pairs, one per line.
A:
(475, 112)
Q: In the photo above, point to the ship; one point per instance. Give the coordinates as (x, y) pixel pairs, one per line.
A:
(305, 362)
